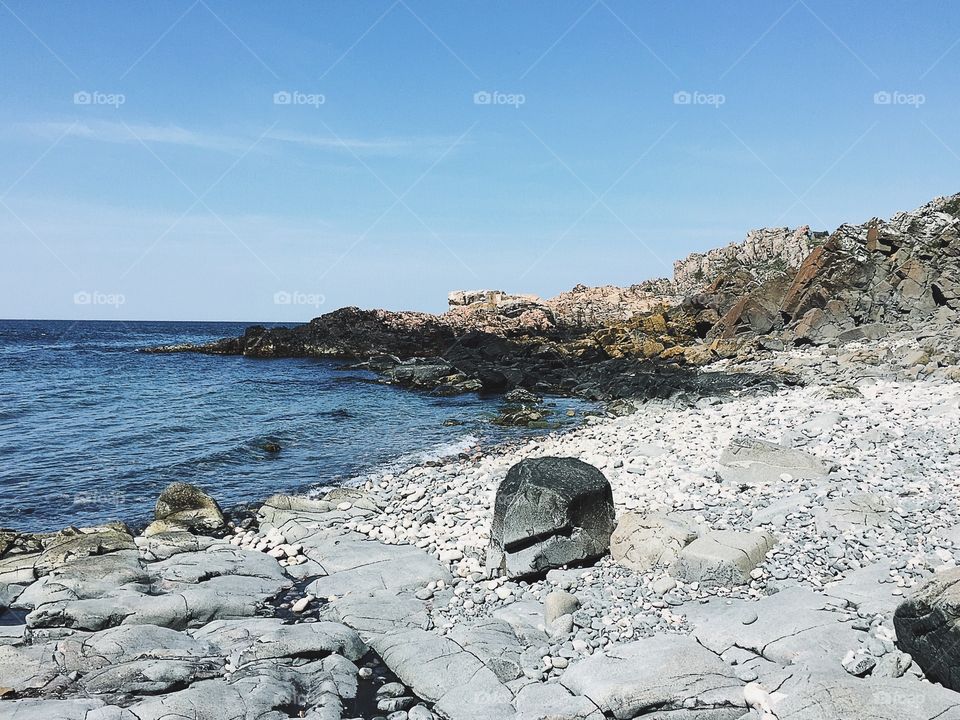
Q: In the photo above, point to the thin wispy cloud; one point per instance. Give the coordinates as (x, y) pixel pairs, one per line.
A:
(133, 133)
(109, 131)
(375, 146)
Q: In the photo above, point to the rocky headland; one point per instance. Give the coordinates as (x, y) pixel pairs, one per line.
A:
(777, 288)
(764, 526)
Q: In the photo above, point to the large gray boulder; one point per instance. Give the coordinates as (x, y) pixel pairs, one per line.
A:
(182, 506)
(927, 628)
(549, 512)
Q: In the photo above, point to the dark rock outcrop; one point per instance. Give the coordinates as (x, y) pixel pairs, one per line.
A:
(549, 512)
(927, 628)
(879, 272)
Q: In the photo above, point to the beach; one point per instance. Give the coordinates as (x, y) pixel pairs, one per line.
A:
(390, 577)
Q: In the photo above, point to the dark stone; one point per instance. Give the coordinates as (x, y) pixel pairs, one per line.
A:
(188, 507)
(549, 512)
(927, 628)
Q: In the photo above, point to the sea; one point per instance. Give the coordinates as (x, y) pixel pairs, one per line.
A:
(92, 429)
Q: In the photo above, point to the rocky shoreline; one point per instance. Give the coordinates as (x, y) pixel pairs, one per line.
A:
(764, 527)
(787, 554)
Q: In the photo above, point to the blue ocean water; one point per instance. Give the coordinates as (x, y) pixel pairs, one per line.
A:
(92, 430)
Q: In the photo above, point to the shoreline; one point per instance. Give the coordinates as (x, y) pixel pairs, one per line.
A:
(394, 571)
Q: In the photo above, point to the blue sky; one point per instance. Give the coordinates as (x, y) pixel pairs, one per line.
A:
(152, 168)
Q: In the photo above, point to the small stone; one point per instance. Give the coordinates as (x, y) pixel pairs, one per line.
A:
(302, 604)
(559, 603)
(391, 690)
(662, 585)
(858, 664)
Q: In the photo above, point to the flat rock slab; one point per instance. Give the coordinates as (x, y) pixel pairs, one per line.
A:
(665, 673)
(261, 691)
(643, 542)
(306, 641)
(723, 558)
(863, 589)
(297, 517)
(188, 590)
(749, 461)
(440, 670)
(62, 710)
(542, 701)
(859, 511)
(355, 564)
(381, 612)
(494, 643)
(833, 697)
(794, 625)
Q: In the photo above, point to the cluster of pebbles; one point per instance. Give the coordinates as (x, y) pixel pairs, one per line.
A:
(272, 543)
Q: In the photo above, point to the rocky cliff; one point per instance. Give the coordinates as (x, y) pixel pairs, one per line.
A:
(764, 253)
(861, 281)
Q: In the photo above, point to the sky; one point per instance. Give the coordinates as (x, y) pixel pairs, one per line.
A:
(214, 160)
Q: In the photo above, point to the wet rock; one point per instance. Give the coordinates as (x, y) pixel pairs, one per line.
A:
(186, 507)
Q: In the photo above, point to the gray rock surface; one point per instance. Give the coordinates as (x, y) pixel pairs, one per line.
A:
(643, 542)
(750, 461)
(828, 697)
(659, 674)
(351, 563)
(723, 558)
